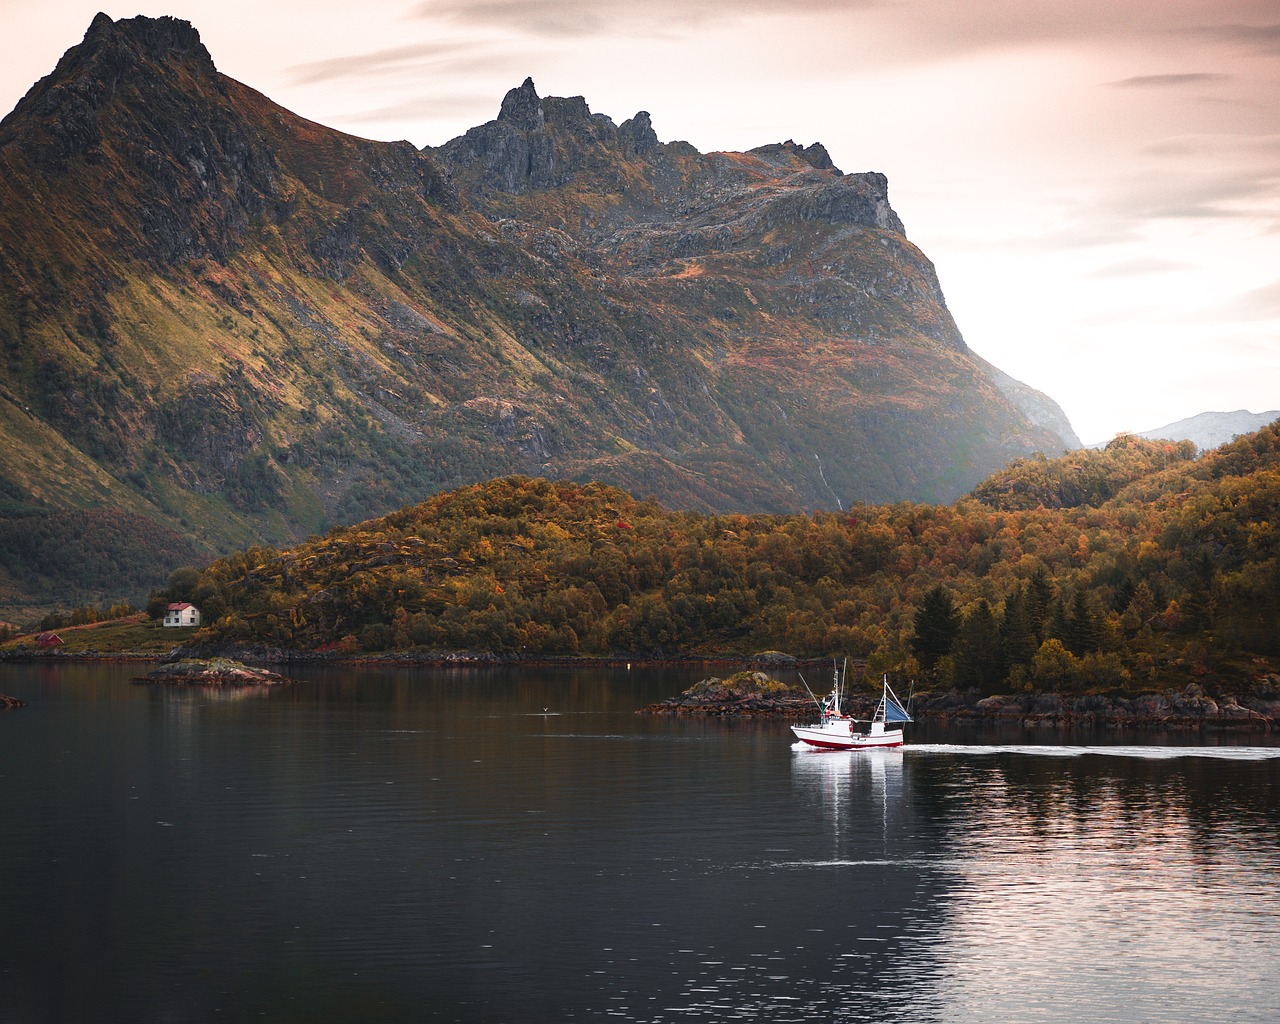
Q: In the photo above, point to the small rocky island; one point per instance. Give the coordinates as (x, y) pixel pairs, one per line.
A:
(212, 672)
(744, 693)
(11, 702)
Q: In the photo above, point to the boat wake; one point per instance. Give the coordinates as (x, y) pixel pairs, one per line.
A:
(1152, 753)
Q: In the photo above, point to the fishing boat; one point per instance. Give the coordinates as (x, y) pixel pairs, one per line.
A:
(837, 731)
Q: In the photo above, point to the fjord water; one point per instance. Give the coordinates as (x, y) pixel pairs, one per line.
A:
(519, 845)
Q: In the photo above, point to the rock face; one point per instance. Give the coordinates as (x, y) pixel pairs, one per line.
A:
(192, 185)
(538, 144)
(1039, 408)
(219, 315)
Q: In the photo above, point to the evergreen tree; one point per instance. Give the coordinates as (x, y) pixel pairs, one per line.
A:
(1083, 632)
(1123, 594)
(978, 660)
(1018, 643)
(936, 626)
(1058, 627)
(1039, 602)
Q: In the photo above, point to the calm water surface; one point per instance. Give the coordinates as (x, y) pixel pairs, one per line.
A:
(493, 846)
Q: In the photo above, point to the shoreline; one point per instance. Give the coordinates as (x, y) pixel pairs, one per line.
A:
(1255, 710)
(281, 656)
(1188, 710)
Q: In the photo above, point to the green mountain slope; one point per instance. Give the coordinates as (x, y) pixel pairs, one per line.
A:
(222, 319)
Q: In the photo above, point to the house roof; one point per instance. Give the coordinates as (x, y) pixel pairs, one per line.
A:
(177, 606)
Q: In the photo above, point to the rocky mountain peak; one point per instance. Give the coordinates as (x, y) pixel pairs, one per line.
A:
(133, 51)
(815, 155)
(534, 143)
(151, 37)
(116, 52)
(637, 135)
(522, 108)
(138, 114)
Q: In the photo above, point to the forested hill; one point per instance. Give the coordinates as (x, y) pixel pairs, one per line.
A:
(221, 317)
(1173, 577)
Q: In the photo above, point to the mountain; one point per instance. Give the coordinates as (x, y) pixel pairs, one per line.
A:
(221, 320)
(1210, 429)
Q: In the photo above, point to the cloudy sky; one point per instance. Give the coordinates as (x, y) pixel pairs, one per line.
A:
(1098, 181)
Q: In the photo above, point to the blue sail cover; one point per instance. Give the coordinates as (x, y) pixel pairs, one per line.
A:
(893, 713)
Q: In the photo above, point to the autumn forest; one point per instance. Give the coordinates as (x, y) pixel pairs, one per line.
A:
(1132, 566)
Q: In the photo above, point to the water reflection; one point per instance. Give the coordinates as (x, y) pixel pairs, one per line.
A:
(855, 794)
(384, 845)
(1102, 885)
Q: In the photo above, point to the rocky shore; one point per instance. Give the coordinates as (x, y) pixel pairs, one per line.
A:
(212, 672)
(754, 694)
(1189, 709)
(11, 702)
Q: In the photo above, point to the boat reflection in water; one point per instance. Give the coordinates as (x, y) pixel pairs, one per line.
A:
(859, 794)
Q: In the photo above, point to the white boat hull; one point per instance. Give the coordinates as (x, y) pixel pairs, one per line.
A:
(838, 734)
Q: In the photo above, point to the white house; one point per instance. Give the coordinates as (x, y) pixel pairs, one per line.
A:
(182, 614)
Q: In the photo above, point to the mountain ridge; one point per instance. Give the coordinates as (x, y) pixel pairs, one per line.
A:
(223, 318)
(1211, 429)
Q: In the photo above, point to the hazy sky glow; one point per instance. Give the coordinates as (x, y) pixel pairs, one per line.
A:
(1098, 181)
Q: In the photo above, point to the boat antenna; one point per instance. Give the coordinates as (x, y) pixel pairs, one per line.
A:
(806, 686)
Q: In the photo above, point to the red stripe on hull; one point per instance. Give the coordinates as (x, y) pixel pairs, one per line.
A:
(847, 746)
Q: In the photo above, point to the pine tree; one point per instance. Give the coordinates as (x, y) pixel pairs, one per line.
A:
(1083, 626)
(978, 660)
(936, 626)
(1058, 627)
(1039, 602)
(1018, 643)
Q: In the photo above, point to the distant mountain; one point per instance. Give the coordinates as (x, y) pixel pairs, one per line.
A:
(225, 321)
(1210, 429)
